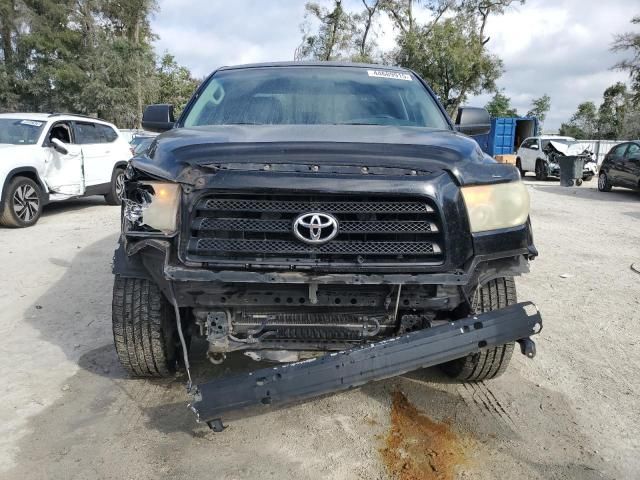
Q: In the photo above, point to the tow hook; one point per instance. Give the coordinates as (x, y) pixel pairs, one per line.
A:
(527, 347)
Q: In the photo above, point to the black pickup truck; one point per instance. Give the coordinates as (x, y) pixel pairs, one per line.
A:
(327, 215)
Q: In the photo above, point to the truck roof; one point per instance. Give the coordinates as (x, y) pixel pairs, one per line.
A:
(315, 64)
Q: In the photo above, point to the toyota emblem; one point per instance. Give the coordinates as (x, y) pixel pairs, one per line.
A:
(315, 228)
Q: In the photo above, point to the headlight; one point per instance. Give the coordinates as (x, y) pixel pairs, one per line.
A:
(491, 207)
(154, 207)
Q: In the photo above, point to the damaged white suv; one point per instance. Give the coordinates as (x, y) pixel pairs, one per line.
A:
(49, 157)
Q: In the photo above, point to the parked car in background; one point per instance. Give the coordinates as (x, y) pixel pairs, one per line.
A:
(142, 145)
(621, 167)
(139, 138)
(52, 157)
(541, 154)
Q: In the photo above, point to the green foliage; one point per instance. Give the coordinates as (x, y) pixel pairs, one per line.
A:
(500, 106)
(448, 50)
(84, 56)
(334, 36)
(583, 124)
(630, 42)
(451, 58)
(611, 114)
(539, 108)
(617, 117)
(175, 83)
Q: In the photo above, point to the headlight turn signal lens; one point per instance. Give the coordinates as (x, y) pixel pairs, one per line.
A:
(492, 207)
(156, 208)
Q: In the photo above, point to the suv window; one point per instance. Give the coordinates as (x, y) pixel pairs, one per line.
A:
(61, 131)
(16, 131)
(306, 95)
(87, 133)
(529, 143)
(106, 133)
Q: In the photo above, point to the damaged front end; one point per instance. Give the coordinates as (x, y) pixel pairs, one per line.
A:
(375, 318)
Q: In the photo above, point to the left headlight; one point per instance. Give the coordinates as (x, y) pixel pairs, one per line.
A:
(154, 208)
(492, 207)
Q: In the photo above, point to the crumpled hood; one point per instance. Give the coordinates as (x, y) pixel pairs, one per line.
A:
(424, 150)
(571, 148)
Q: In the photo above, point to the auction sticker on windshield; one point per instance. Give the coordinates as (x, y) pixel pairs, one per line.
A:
(32, 123)
(388, 74)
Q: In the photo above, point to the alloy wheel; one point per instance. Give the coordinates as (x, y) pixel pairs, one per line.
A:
(26, 202)
(602, 182)
(120, 186)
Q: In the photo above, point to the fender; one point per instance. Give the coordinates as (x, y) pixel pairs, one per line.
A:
(17, 171)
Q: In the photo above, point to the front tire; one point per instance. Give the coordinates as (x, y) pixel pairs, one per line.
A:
(116, 189)
(23, 203)
(490, 362)
(541, 171)
(144, 328)
(603, 183)
(519, 167)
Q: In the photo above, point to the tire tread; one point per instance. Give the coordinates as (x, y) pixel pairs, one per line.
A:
(140, 315)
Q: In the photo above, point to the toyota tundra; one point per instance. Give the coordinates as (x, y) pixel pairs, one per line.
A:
(327, 216)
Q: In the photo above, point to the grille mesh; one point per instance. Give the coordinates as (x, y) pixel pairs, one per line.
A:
(258, 228)
(334, 247)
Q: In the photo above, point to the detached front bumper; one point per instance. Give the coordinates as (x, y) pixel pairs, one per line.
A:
(259, 390)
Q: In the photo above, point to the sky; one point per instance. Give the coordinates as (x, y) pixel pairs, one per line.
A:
(557, 47)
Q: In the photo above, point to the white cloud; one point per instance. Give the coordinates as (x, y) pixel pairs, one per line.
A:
(558, 47)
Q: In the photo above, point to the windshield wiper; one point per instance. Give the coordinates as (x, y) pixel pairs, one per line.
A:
(243, 123)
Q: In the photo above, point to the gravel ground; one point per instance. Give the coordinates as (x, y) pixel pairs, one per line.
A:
(70, 412)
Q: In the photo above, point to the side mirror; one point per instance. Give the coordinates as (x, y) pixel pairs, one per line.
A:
(534, 146)
(158, 118)
(59, 146)
(473, 121)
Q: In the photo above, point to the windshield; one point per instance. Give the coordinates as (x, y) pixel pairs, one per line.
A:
(315, 96)
(16, 131)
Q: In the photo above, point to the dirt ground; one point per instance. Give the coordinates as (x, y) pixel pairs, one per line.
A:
(68, 410)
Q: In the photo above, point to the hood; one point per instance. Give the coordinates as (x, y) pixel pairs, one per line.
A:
(570, 149)
(178, 153)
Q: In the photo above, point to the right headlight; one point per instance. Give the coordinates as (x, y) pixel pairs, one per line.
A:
(492, 207)
(155, 208)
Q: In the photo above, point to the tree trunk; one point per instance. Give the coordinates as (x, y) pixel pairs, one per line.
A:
(6, 30)
(136, 35)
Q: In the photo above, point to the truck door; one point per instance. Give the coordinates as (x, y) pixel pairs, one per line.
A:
(64, 170)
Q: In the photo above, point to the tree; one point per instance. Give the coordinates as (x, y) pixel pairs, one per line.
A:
(630, 42)
(500, 106)
(334, 37)
(175, 83)
(583, 124)
(539, 108)
(363, 28)
(612, 111)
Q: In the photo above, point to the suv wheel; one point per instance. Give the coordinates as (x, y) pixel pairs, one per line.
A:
(489, 362)
(116, 189)
(23, 203)
(144, 329)
(603, 183)
(519, 167)
(541, 172)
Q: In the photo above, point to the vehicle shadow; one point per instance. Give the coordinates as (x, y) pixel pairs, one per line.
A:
(64, 206)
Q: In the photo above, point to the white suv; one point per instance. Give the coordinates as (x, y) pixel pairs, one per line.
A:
(50, 157)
